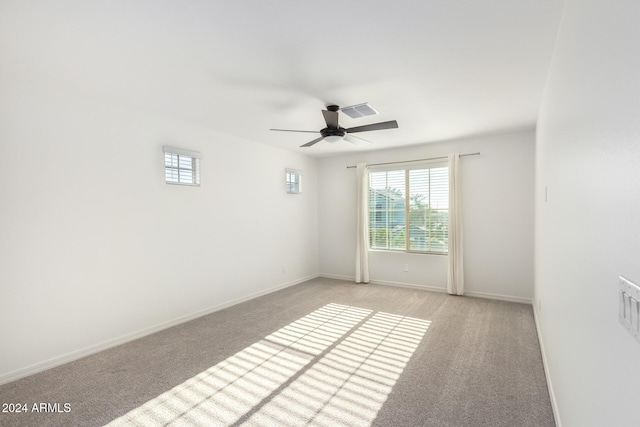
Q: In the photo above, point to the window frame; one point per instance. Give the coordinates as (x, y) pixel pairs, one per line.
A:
(297, 189)
(181, 154)
(434, 164)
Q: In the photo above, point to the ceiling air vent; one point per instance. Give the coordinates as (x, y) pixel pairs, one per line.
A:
(359, 110)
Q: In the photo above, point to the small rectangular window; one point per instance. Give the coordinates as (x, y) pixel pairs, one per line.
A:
(181, 166)
(294, 181)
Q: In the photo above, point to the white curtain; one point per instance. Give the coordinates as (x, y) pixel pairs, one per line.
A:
(362, 242)
(455, 277)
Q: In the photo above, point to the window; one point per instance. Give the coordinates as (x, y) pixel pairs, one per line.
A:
(181, 166)
(409, 209)
(294, 181)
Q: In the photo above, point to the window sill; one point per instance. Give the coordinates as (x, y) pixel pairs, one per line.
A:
(407, 252)
(182, 183)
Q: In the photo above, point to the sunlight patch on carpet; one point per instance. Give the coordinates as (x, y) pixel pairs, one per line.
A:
(335, 366)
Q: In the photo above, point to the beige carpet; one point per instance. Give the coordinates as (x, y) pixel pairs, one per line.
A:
(325, 353)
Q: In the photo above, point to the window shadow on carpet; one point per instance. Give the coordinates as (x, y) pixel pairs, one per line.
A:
(335, 366)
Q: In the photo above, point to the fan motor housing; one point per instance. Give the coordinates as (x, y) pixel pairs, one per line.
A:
(333, 132)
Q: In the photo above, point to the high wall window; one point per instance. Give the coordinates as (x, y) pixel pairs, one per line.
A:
(181, 166)
(293, 180)
(409, 209)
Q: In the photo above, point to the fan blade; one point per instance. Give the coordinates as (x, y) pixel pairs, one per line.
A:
(375, 126)
(310, 143)
(356, 140)
(331, 117)
(290, 130)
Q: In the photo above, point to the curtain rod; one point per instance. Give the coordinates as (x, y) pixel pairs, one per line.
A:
(418, 160)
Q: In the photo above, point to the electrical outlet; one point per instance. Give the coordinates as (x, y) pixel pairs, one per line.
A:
(284, 269)
(405, 267)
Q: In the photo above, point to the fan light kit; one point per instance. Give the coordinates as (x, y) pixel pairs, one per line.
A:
(334, 133)
(333, 138)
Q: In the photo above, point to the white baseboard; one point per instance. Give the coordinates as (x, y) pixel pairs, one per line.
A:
(87, 351)
(337, 277)
(552, 396)
(409, 285)
(434, 289)
(385, 283)
(499, 297)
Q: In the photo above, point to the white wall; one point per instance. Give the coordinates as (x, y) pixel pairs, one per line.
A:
(588, 231)
(95, 246)
(498, 218)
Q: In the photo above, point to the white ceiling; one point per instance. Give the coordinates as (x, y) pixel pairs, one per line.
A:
(443, 69)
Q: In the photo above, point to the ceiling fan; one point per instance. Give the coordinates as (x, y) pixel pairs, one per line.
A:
(334, 133)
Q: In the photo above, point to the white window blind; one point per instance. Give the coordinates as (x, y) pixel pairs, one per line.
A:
(409, 209)
(294, 181)
(181, 166)
(387, 205)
